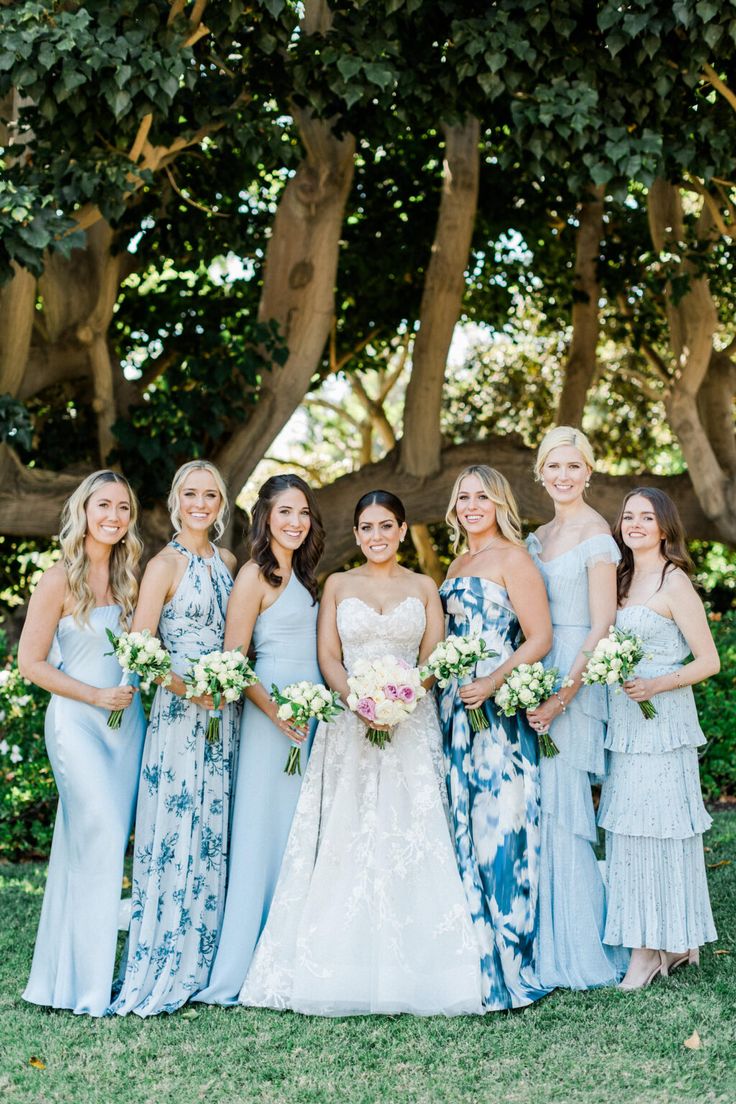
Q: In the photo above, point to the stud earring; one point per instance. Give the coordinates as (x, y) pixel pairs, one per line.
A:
(587, 483)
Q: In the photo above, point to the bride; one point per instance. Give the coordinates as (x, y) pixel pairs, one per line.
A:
(369, 913)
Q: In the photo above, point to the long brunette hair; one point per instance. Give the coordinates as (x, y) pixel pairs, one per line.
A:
(307, 555)
(673, 545)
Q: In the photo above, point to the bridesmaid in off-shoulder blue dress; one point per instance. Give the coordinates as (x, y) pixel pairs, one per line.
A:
(572, 897)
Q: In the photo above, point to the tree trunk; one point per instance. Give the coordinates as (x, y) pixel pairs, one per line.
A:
(17, 313)
(692, 325)
(299, 287)
(581, 360)
(426, 499)
(444, 287)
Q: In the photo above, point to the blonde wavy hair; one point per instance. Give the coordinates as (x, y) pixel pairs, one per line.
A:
(556, 438)
(180, 478)
(124, 555)
(499, 491)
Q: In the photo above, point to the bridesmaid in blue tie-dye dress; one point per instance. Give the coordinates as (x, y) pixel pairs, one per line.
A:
(181, 829)
(493, 776)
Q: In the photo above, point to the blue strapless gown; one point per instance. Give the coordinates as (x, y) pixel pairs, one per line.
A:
(96, 770)
(572, 899)
(285, 643)
(181, 827)
(493, 783)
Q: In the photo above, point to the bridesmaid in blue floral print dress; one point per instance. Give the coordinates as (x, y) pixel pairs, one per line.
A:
(181, 832)
(493, 776)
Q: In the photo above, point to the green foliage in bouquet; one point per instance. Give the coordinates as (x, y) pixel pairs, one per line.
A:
(27, 792)
(716, 702)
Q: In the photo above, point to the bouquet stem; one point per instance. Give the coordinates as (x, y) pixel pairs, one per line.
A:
(478, 720)
(379, 737)
(213, 726)
(648, 710)
(294, 762)
(115, 719)
(547, 747)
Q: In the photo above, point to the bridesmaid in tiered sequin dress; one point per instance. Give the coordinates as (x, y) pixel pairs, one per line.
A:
(91, 589)
(651, 805)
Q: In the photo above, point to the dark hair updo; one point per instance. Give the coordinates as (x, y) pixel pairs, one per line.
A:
(307, 555)
(673, 544)
(389, 501)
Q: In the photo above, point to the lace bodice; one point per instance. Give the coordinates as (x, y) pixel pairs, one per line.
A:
(366, 634)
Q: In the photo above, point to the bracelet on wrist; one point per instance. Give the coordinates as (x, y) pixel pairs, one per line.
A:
(562, 703)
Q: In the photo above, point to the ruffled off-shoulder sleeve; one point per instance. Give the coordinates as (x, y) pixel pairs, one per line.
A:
(599, 549)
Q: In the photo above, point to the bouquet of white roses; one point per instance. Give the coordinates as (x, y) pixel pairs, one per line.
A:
(613, 660)
(299, 703)
(526, 687)
(224, 675)
(138, 653)
(384, 691)
(455, 658)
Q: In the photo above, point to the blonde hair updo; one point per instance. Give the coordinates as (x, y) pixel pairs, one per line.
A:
(559, 436)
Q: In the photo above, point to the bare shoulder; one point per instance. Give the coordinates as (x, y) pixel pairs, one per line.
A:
(52, 585)
(457, 566)
(427, 585)
(337, 584)
(229, 559)
(163, 565)
(595, 525)
(249, 574)
(678, 586)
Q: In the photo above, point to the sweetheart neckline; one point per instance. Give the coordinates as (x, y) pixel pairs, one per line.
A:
(378, 613)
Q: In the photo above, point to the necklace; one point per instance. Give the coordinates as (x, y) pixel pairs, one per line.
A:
(494, 540)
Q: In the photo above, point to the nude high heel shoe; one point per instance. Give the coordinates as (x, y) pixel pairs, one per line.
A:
(689, 958)
(660, 968)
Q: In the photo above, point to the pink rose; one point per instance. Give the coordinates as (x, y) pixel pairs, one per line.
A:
(391, 691)
(407, 694)
(367, 708)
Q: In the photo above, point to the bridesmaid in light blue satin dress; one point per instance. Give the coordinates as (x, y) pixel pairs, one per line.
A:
(182, 818)
(63, 649)
(493, 589)
(274, 605)
(577, 557)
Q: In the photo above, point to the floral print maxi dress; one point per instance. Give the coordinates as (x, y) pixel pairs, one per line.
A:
(493, 784)
(181, 830)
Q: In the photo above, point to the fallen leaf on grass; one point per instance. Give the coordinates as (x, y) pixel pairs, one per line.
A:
(721, 952)
(37, 1063)
(126, 882)
(190, 1014)
(723, 862)
(693, 1042)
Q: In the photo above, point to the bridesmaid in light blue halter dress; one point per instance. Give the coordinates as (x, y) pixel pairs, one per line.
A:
(284, 638)
(95, 767)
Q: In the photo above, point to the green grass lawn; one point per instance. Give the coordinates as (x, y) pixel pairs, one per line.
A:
(580, 1048)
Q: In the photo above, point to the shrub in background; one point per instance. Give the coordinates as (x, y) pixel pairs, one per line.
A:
(716, 702)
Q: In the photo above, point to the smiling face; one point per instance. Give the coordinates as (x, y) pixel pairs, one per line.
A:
(199, 500)
(640, 529)
(564, 474)
(475, 509)
(379, 534)
(108, 513)
(289, 521)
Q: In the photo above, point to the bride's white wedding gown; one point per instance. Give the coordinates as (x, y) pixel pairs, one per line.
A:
(370, 914)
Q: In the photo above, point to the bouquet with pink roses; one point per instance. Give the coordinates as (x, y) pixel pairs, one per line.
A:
(384, 691)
